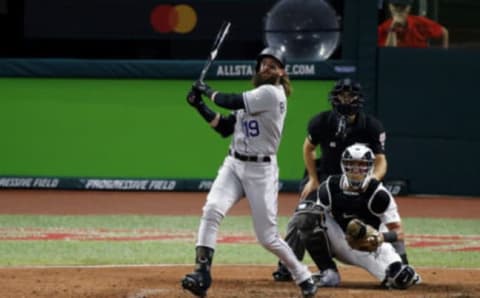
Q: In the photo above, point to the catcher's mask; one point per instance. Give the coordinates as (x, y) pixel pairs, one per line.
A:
(357, 165)
(346, 97)
(274, 53)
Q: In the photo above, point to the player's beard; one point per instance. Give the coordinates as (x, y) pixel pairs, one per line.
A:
(263, 78)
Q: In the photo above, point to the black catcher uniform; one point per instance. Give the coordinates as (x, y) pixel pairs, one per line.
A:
(366, 206)
(323, 216)
(322, 222)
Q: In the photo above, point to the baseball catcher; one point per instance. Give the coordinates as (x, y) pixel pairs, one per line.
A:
(354, 218)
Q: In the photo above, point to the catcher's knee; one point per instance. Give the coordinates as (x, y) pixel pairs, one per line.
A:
(307, 216)
(400, 276)
(312, 235)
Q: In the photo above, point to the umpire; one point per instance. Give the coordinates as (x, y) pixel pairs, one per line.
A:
(333, 131)
(337, 129)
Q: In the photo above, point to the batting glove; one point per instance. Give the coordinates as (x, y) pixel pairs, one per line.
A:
(194, 97)
(203, 88)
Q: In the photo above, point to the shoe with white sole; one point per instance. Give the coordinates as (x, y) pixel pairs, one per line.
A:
(326, 278)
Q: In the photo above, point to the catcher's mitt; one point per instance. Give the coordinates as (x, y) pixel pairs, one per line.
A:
(362, 237)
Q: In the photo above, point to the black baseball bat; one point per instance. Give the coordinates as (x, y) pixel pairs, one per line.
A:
(222, 33)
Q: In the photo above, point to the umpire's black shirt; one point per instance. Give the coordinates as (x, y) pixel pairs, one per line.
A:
(322, 129)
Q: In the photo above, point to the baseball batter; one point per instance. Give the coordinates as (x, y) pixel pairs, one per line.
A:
(250, 170)
(324, 218)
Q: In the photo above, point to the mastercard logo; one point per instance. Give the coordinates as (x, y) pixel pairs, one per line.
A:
(180, 18)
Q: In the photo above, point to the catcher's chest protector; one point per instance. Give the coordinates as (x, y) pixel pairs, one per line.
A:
(345, 207)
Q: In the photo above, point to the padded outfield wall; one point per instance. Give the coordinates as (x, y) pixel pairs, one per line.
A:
(129, 129)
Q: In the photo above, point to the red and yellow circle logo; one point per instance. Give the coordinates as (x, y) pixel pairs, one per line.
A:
(180, 18)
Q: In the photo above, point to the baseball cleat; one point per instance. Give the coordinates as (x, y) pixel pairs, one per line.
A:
(417, 279)
(308, 288)
(282, 274)
(197, 283)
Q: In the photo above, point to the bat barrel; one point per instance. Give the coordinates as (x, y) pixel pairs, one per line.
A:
(222, 33)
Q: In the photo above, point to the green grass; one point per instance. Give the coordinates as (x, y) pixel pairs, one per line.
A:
(168, 223)
(441, 226)
(428, 258)
(74, 252)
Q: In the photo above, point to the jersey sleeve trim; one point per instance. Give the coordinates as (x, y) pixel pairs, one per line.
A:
(245, 103)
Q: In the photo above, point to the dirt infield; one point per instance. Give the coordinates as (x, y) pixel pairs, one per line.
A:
(229, 281)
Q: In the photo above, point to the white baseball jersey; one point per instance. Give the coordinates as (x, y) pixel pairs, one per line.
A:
(257, 133)
(258, 128)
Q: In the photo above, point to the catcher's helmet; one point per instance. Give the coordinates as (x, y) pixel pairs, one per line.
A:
(274, 53)
(355, 101)
(357, 165)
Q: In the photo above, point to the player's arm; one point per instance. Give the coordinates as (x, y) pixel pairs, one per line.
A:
(230, 101)
(378, 138)
(385, 206)
(395, 232)
(396, 236)
(309, 157)
(380, 168)
(224, 125)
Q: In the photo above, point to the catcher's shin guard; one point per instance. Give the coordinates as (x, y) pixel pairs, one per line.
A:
(318, 246)
(293, 240)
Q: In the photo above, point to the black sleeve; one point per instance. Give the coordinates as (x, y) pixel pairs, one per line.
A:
(230, 101)
(205, 111)
(226, 125)
(377, 135)
(380, 201)
(316, 128)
